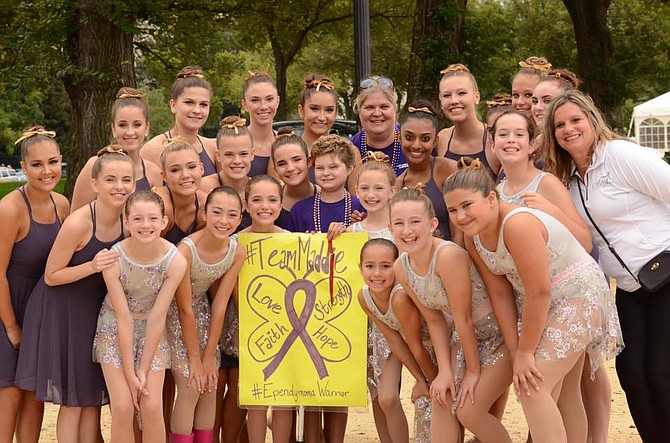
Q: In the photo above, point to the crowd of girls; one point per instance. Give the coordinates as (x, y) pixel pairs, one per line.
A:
(473, 285)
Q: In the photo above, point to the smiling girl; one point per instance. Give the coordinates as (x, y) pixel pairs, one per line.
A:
(459, 96)
(531, 71)
(439, 277)
(291, 161)
(260, 100)
(563, 301)
(190, 98)
(418, 131)
(71, 293)
(182, 173)
(31, 217)
(130, 341)
(212, 257)
(130, 126)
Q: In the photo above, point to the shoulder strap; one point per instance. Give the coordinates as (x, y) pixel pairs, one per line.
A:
(25, 199)
(431, 268)
(609, 246)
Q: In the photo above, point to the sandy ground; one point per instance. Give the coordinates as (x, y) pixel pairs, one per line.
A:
(361, 427)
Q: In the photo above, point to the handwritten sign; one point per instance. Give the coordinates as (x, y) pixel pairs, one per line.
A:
(299, 346)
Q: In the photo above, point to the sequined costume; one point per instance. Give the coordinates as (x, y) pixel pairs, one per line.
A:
(581, 313)
(141, 284)
(202, 276)
(381, 351)
(430, 291)
(516, 198)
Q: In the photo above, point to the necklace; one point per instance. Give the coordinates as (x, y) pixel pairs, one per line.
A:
(396, 147)
(317, 210)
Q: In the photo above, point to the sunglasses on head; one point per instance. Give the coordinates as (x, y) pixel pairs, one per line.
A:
(384, 82)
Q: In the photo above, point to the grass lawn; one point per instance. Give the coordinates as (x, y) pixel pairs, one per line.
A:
(6, 188)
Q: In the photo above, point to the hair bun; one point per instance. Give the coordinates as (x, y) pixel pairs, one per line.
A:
(455, 67)
(536, 63)
(565, 75)
(176, 139)
(111, 149)
(127, 92)
(318, 81)
(470, 163)
(190, 71)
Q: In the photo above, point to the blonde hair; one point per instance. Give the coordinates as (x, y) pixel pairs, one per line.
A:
(413, 195)
(108, 154)
(175, 145)
(459, 70)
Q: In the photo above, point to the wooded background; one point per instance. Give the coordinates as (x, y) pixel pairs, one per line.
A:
(61, 62)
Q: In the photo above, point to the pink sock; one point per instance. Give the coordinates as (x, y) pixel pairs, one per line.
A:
(203, 436)
(181, 438)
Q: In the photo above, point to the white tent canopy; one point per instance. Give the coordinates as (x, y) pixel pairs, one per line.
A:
(652, 123)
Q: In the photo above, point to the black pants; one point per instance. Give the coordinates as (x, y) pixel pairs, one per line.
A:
(644, 365)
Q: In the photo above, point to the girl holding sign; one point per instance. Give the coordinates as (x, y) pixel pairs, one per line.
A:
(212, 256)
(264, 203)
(446, 288)
(333, 158)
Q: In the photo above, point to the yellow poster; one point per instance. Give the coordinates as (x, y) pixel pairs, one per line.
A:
(302, 344)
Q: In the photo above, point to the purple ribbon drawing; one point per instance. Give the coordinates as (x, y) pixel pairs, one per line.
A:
(299, 325)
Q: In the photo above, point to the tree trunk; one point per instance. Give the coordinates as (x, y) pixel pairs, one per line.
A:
(594, 50)
(436, 42)
(101, 61)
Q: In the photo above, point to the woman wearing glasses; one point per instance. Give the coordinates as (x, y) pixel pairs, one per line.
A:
(459, 96)
(377, 107)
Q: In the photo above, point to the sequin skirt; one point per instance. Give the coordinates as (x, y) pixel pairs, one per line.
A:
(106, 344)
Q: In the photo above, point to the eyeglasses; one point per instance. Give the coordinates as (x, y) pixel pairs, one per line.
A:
(384, 82)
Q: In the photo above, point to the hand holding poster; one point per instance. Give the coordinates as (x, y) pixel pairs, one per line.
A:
(300, 344)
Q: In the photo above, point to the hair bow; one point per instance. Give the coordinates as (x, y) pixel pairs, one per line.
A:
(39, 131)
(130, 95)
(239, 123)
(377, 156)
(422, 109)
(537, 66)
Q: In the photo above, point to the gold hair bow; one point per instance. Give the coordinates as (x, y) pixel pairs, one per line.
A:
(537, 66)
(422, 109)
(176, 139)
(284, 135)
(500, 102)
(111, 150)
(417, 187)
(239, 123)
(376, 156)
(318, 84)
(130, 95)
(474, 164)
(40, 131)
(191, 74)
(453, 68)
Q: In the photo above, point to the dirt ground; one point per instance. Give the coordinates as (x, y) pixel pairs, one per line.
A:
(361, 427)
